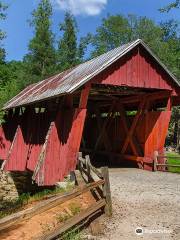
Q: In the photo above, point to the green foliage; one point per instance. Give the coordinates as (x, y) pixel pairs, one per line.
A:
(113, 32)
(175, 4)
(69, 52)
(72, 235)
(63, 217)
(67, 49)
(162, 38)
(40, 61)
(75, 208)
(174, 161)
(11, 80)
(3, 7)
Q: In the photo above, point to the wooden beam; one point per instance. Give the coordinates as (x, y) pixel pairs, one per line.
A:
(149, 96)
(133, 126)
(169, 104)
(84, 96)
(107, 191)
(46, 205)
(41, 157)
(126, 125)
(100, 126)
(92, 210)
(68, 101)
(113, 154)
(104, 126)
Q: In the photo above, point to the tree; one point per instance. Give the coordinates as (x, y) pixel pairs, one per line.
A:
(113, 32)
(171, 55)
(67, 48)
(3, 7)
(175, 4)
(117, 30)
(41, 60)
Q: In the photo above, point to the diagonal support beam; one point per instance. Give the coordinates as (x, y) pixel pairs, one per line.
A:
(104, 126)
(133, 142)
(100, 126)
(132, 129)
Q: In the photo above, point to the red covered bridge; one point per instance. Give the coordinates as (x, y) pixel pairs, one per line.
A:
(116, 107)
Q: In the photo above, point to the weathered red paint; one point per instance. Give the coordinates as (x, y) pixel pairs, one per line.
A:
(7, 132)
(156, 130)
(62, 147)
(136, 69)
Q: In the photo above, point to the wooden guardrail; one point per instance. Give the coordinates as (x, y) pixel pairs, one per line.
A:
(165, 165)
(100, 187)
(87, 168)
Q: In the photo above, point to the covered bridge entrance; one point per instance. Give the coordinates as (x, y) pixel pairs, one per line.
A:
(116, 107)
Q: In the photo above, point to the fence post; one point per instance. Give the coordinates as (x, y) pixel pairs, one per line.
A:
(155, 160)
(107, 191)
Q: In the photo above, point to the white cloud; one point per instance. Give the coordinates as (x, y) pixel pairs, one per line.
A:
(81, 7)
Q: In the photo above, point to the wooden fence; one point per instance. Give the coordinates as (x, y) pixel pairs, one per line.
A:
(100, 188)
(164, 166)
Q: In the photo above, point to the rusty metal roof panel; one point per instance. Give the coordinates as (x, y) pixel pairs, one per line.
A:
(68, 81)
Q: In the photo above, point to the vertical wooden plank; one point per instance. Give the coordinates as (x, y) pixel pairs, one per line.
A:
(107, 191)
(169, 104)
(155, 160)
(84, 96)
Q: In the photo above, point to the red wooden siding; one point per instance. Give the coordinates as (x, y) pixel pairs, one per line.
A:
(7, 132)
(156, 131)
(150, 133)
(17, 158)
(62, 148)
(135, 69)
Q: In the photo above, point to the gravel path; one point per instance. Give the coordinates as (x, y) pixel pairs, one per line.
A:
(149, 200)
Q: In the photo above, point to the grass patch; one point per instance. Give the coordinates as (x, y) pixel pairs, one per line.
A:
(174, 161)
(75, 208)
(10, 207)
(63, 217)
(72, 235)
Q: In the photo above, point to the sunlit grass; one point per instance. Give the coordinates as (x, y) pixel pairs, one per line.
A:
(174, 161)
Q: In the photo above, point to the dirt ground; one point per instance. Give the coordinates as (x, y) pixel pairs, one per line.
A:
(147, 200)
(42, 223)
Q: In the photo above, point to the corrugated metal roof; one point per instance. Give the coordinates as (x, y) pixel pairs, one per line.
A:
(68, 81)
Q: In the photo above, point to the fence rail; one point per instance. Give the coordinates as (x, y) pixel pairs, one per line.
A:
(99, 188)
(157, 157)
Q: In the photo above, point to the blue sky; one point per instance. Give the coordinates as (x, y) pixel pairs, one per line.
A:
(88, 15)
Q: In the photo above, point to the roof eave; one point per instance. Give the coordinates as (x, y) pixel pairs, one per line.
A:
(134, 44)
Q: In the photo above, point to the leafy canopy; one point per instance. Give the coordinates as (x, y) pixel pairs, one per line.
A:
(69, 52)
(175, 4)
(41, 57)
(3, 7)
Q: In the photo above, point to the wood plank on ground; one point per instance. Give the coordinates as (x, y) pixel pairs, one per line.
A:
(45, 205)
(74, 221)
